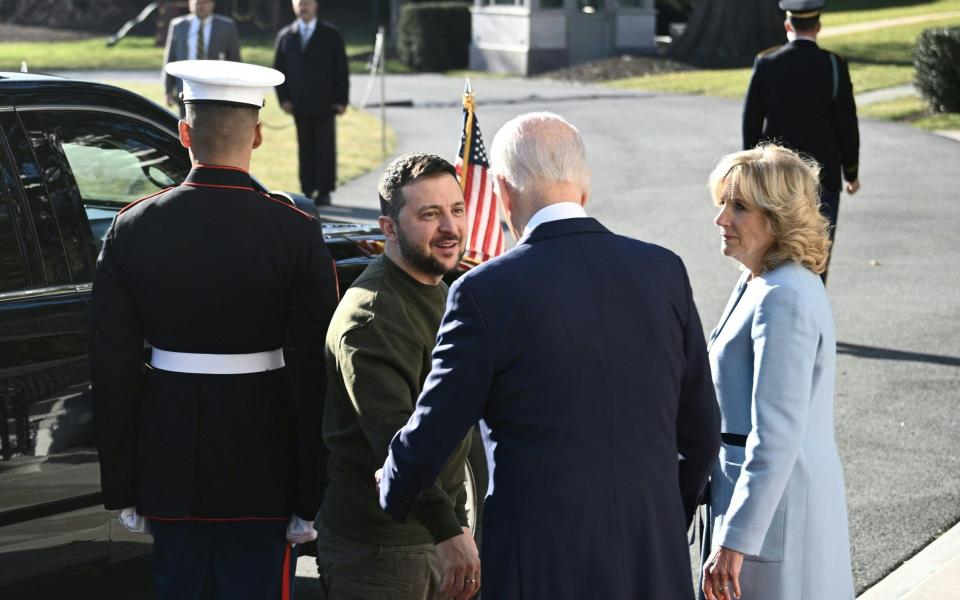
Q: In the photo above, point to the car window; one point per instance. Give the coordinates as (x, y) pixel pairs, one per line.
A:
(13, 272)
(114, 158)
(117, 170)
(39, 222)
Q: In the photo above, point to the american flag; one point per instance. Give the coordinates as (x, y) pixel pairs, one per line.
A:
(484, 233)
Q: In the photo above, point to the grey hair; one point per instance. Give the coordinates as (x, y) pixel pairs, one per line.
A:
(539, 148)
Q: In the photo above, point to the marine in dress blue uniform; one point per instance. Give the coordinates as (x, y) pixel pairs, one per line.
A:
(215, 442)
(800, 96)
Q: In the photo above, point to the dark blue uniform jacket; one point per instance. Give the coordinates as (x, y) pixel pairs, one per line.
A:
(211, 267)
(795, 100)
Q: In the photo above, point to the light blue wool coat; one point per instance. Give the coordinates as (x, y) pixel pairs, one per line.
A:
(780, 500)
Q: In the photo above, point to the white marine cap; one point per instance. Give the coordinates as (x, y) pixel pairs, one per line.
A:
(224, 81)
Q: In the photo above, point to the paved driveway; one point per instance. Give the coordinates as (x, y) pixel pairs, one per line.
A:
(895, 279)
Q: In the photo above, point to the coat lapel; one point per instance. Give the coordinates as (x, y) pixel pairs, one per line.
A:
(731, 304)
(183, 45)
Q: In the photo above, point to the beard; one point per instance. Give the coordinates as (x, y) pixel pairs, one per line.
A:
(423, 260)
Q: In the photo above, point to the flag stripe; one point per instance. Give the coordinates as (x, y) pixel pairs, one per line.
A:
(485, 238)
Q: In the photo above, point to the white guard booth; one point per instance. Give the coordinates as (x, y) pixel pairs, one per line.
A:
(524, 37)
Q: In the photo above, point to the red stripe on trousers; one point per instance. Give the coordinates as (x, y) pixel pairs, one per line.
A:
(285, 584)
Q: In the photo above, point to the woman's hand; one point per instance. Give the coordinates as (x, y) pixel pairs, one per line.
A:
(721, 574)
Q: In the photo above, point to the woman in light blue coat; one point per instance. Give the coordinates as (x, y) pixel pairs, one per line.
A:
(779, 516)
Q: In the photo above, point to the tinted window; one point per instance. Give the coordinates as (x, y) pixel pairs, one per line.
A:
(13, 275)
(115, 159)
(65, 200)
(111, 160)
(39, 217)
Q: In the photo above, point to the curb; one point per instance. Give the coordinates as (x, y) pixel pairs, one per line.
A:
(926, 575)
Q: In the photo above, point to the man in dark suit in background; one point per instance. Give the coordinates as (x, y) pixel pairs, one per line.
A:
(201, 35)
(801, 96)
(312, 56)
(583, 353)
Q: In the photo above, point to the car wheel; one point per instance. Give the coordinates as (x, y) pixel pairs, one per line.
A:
(475, 481)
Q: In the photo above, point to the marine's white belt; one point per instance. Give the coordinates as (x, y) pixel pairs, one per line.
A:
(217, 364)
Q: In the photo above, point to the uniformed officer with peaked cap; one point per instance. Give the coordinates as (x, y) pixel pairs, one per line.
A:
(214, 445)
(801, 96)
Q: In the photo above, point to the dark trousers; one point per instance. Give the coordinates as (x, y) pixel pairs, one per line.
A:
(317, 144)
(201, 560)
(830, 208)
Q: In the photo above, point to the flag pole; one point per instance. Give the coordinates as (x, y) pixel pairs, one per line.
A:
(468, 106)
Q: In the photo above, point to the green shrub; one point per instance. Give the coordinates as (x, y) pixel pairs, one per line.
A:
(937, 60)
(434, 36)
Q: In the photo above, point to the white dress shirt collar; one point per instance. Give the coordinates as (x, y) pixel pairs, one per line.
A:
(793, 36)
(195, 24)
(552, 212)
(306, 27)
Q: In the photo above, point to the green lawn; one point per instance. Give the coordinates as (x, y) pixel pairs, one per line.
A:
(140, 53)
(846, 12)
(890, 46)
(912, 110)
(878, 59)
(275, 162)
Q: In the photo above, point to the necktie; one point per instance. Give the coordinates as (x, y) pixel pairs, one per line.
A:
(304, 37)
(201, 45)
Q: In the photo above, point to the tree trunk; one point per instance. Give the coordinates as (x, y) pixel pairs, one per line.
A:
(729, 33)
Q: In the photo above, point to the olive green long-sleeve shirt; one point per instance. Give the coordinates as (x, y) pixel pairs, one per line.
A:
(379, 347)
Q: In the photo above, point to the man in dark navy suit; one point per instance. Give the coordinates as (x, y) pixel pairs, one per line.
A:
(800, 96)
(215, 445)
(583, 354)
(311, 54)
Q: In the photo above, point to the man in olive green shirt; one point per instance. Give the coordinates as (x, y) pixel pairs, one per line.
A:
(379, 347)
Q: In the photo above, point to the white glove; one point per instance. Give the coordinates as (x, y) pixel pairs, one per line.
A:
(300, 531)
(133, 522)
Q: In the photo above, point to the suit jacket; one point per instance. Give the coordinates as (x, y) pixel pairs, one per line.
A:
(793, 99)
(224, 41)
(317, 76)
(243, 273)
(583, 353)
(780, 500)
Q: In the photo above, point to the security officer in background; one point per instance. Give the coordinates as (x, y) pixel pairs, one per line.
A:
(214, 445)
(801, 96)
(311, 53)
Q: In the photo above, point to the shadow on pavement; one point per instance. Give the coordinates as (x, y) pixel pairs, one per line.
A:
(889, 354)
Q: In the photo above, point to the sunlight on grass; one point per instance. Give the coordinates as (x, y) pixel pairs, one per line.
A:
(892, 45)
(729, 83)
(275, 162)
(847, 12)
(898, 109)
(912, 110)
(878, 59)
(140, 54)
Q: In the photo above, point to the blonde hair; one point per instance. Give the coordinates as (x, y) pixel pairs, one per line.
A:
(787, 188)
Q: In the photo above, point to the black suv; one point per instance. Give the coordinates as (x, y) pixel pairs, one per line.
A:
(72, 154)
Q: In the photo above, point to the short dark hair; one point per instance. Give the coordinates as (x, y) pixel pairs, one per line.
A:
(403, 171)
(804, 24)
(216, 127)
